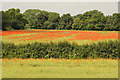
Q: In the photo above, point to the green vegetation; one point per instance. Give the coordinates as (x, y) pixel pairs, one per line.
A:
(110, 49)
(38, 19)
(57, 68)
(13, 19)
(65, 66)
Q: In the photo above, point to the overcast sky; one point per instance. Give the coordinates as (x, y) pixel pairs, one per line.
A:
(62, 7)
(60, 0)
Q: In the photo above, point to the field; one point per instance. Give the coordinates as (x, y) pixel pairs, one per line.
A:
(59, 68)
(45, 36)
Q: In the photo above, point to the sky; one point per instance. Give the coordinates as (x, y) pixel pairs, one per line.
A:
(62, 7)
(60, 0)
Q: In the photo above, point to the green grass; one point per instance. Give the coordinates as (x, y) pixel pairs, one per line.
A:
(57, 68)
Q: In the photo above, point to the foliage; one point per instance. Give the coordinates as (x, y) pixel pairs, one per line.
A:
(38, 19)
(13, 19)
(67, 50)
(53, 20)
(66, 21)
(90, 20)
(31, 16)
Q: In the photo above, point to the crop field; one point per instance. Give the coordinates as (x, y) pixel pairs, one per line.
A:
(59, 68)
(79, 37)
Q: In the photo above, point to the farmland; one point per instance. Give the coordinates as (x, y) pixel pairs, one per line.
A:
(44, 59)
(42, 44)
(59, 68)
(55, 36)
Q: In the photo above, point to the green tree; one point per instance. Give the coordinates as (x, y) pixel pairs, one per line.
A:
(66, 21)
(90, 20)
(53, 21)
(5, 21)
(31, 16)
(113, 22)
(78, 24)
(12, 18)
(41, 18)
(78, 15)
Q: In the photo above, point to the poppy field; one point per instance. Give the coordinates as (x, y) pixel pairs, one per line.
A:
(55, 36)
(59, 68)
(95, 54)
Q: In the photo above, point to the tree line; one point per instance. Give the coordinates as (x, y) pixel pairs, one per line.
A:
(12, 19)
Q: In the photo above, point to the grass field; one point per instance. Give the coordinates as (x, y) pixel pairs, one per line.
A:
(59, 68)
(45, 36)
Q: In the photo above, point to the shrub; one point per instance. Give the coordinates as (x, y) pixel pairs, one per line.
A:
(66, 50)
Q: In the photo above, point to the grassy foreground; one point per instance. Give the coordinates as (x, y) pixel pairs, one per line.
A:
(59, 68)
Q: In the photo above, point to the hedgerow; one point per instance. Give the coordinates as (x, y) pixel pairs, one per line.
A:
(110, 49)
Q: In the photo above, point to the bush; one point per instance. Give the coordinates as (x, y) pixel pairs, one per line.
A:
(66, 50)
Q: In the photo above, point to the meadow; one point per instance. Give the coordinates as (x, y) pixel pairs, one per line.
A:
(55, 36)
(59, 68)
(42, 44)
(30, 64)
